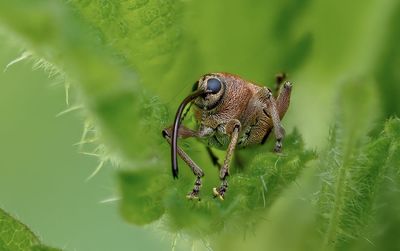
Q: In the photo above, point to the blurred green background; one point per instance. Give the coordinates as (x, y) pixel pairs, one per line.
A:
(42, 179)
(163, 47)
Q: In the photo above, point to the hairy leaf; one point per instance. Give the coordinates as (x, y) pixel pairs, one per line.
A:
(146, 33)
(110, 90)
(353, 167)
(147, 194)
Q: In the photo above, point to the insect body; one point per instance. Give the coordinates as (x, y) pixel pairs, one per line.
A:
(231, 113)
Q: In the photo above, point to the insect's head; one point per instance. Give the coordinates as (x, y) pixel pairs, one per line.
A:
(214, 89)
(207, 93)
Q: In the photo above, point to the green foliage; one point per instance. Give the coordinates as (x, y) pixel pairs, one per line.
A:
(386, 71)
(142, 192)
(15, 236)
(386, 225)
(145, 33)
(107, 48)
(354, 167)
(43, 248)
(8, 228)
(110, 91)
(132, 60)
(148, 194)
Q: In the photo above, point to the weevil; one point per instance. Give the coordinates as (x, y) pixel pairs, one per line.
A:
(231, 113)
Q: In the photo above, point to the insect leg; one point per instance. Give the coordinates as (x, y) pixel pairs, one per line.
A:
(233, 127)
(283, 100)
(185, 133)
(279, 78)
(272, 111)
(213, 157)
(195, 168)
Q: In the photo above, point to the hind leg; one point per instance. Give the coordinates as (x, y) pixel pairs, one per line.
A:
(270, 110)
(279, 79)
(283, 100)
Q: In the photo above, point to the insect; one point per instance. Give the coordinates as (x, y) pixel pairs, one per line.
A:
(231, 113)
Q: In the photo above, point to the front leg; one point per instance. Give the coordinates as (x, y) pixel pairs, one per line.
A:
(232, 128)
(185, 132)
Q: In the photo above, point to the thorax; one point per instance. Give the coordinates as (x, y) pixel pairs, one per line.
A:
(241, 108)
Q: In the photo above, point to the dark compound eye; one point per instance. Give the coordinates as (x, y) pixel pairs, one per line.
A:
(213, 85)
(195, 86)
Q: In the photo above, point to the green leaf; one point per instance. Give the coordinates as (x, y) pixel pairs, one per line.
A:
(353, 167)
(146, 33)
(121, 54)
(146, 36)
(384, 228)
(149, 194)
(387, 66)
(43, 248)
(111, 93)
(15, 236)
(142, 192)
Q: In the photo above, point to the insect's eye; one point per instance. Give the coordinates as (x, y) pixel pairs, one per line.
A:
(195, 86)
(213, 85)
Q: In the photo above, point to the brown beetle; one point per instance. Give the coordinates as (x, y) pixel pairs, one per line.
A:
(231, 113)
